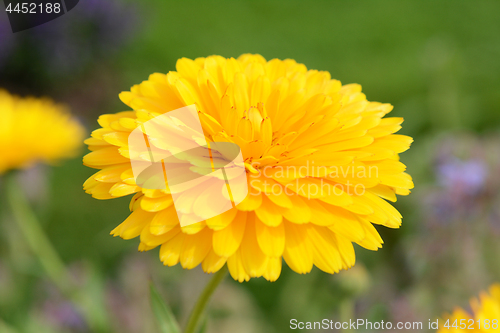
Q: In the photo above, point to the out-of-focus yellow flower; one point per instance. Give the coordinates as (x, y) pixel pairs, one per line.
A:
(485, 316)
(35, 129)
(299, 131)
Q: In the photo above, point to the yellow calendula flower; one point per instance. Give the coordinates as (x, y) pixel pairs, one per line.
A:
(319, 157)
(33, 130)
(485, 316)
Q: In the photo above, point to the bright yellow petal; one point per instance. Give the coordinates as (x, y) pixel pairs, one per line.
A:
(271, 239)
(212, 262)
(236, 269)
(195, 248)
(298, 252)
(170, 251)
(226, 241)
(254, 260)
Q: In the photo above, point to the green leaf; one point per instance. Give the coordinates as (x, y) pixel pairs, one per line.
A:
(164, 317)
(203, 326)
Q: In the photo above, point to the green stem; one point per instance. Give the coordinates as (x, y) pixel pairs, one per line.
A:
(199, 308)
(49, 258)
(33, 232)
(347, 312)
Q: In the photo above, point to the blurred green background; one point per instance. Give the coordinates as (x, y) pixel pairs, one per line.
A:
(436, 61)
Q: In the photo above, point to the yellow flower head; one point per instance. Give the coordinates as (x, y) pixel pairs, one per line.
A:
(33, 130)
(320, 160)
(485, 315)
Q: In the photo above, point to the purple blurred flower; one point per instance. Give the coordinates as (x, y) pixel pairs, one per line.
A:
(64, 314)
(68, 45)
(467, 177)
(92, 30)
